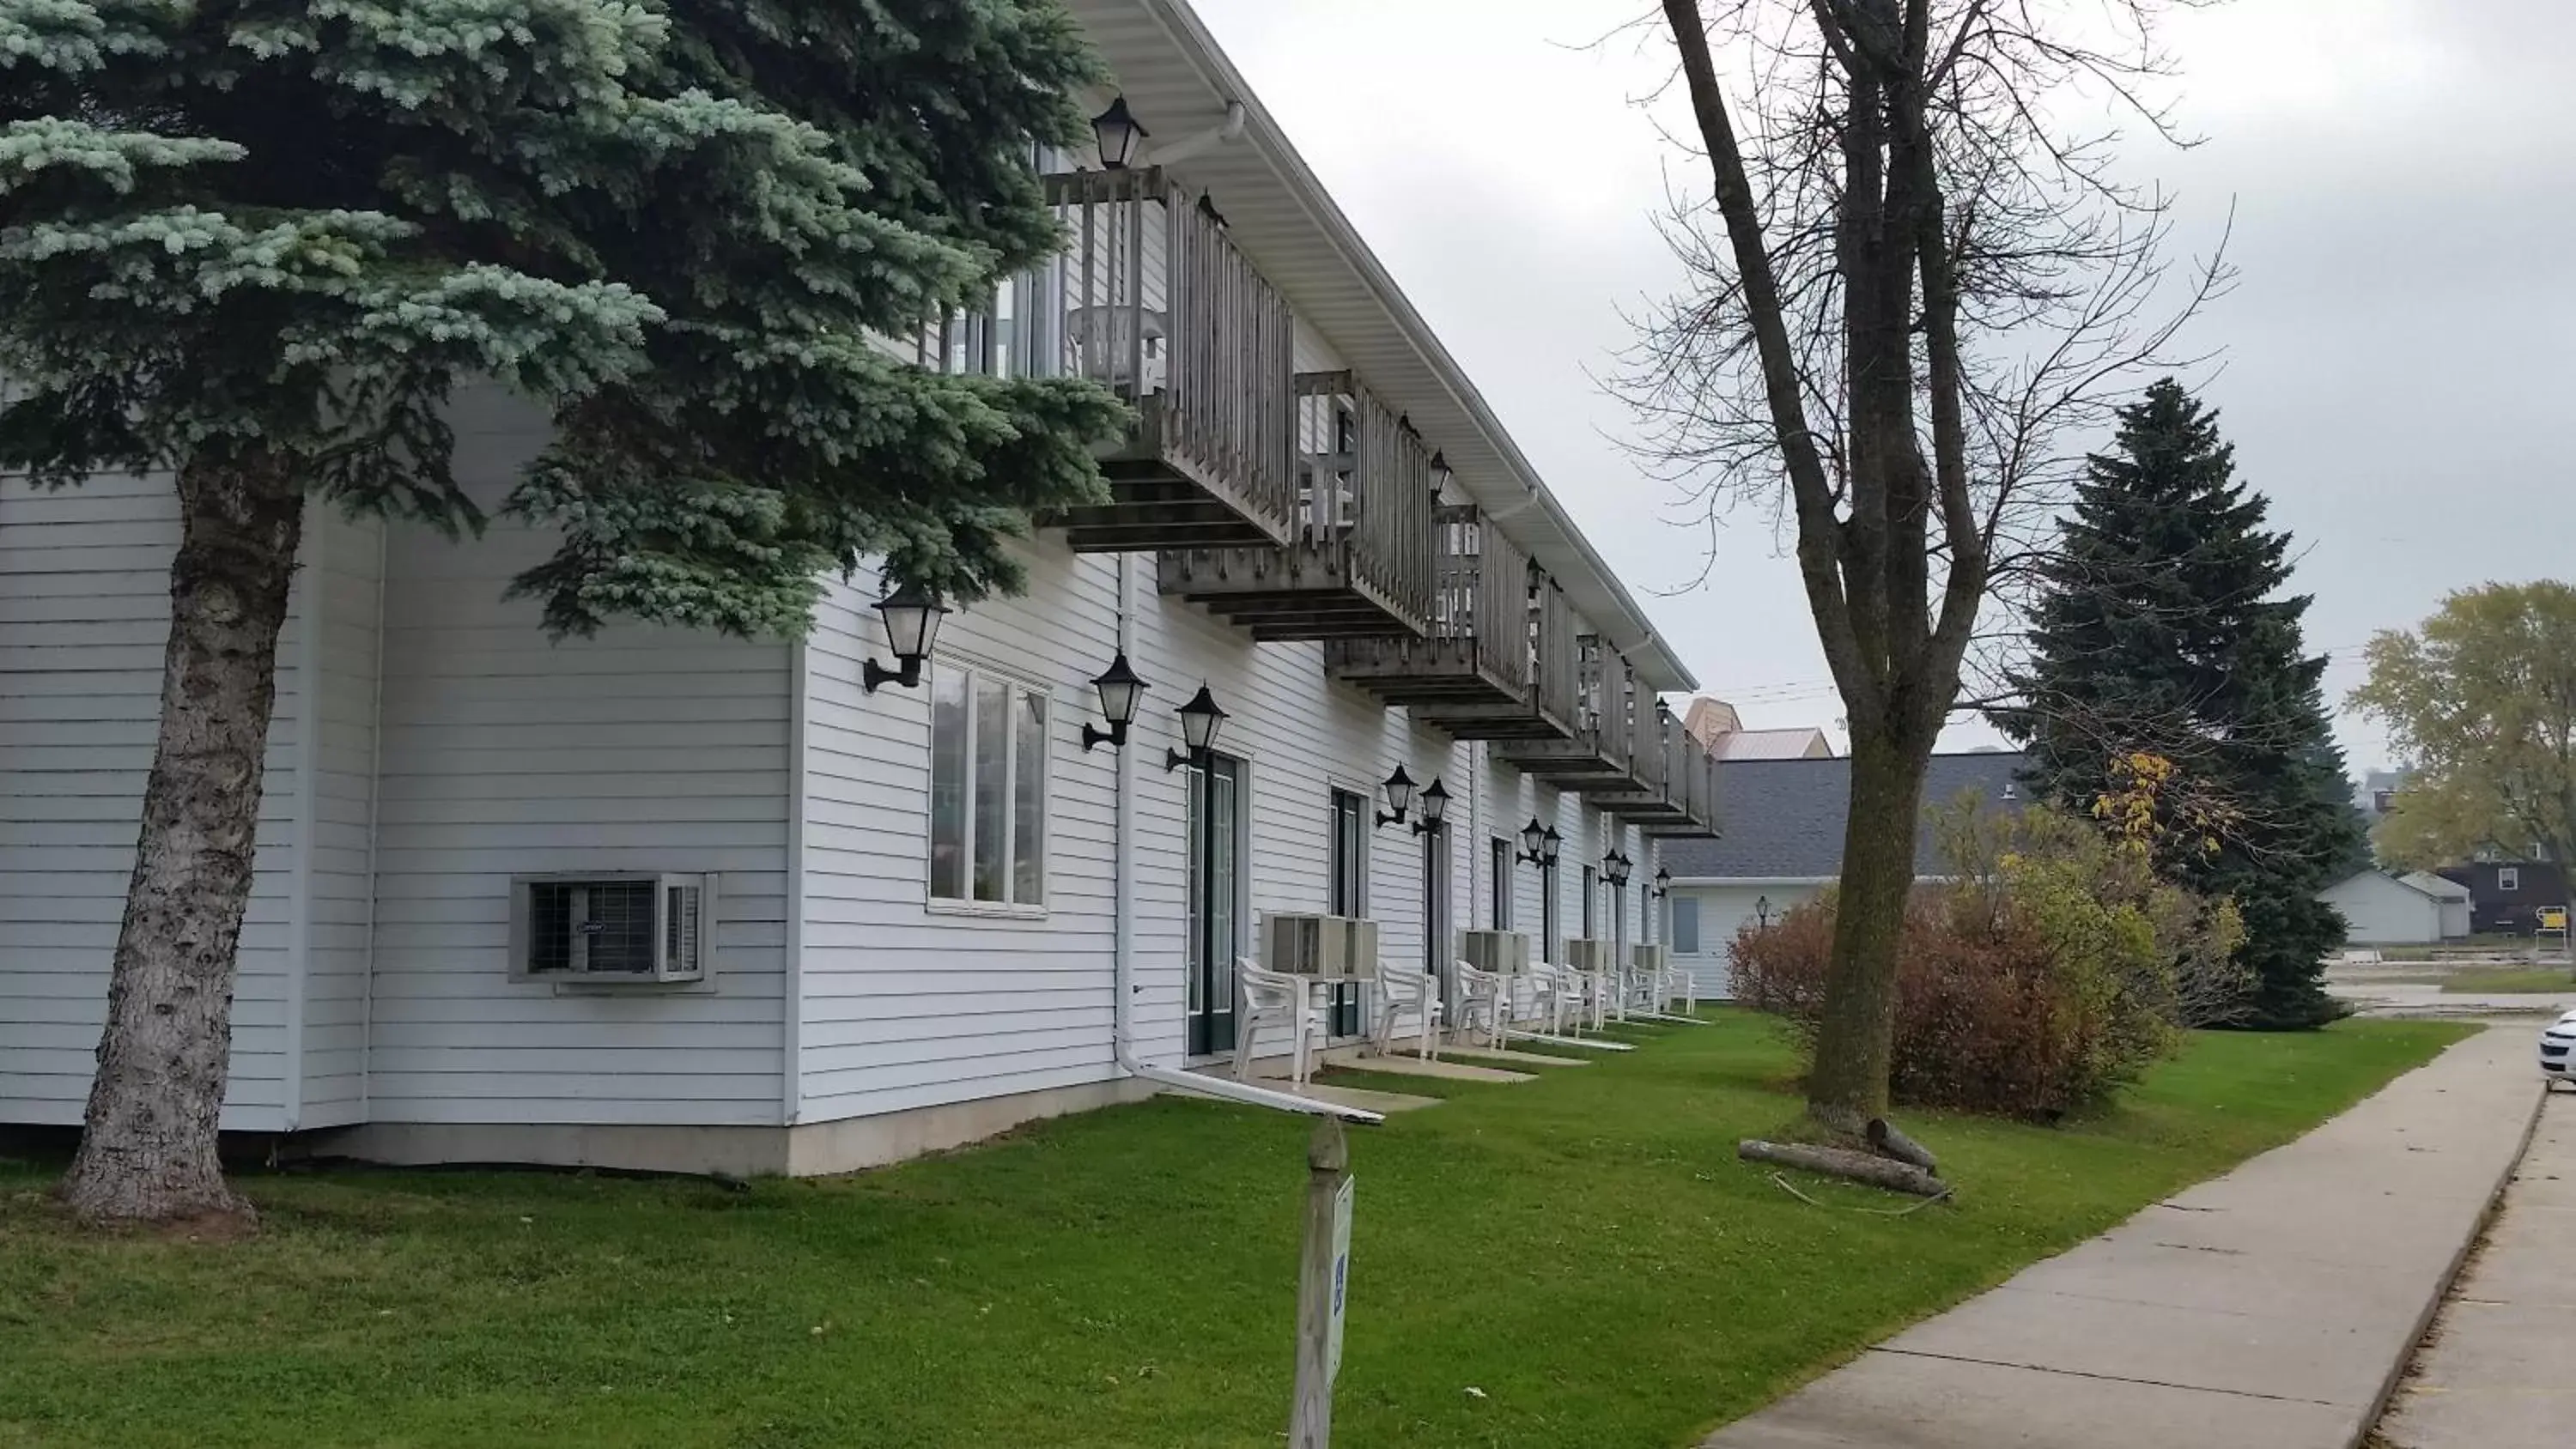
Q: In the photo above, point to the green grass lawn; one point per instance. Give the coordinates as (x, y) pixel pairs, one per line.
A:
(1570, 1262)
(2511, 978)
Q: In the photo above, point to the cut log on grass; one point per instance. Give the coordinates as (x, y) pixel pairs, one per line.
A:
(1863, 1167)
(1886, 1141)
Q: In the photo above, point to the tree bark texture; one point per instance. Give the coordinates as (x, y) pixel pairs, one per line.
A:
(148, 1140)
(1848, 1085)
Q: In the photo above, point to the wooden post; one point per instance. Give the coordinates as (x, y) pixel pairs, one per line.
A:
(1323, 1283)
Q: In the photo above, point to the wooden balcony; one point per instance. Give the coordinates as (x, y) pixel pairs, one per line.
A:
(1360, 563)
(1695, 782)
(1594, 758)
(1496, 658)
(1151, 299)
(1659, 769)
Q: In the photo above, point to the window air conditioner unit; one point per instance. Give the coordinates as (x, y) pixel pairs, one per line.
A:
(1306, 945)
(1651, 958)
(1505, 953)
(1591, 956)
(1364, 956)
(637, 928)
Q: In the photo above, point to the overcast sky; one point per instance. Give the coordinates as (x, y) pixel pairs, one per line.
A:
(2399, 355)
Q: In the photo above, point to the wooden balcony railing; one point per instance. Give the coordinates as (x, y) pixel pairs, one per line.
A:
(1151, 299)
(1693, 789)
(1497, 661)
(1660, 771)
(1556, 647)
(1360, 561)
(1593, 757)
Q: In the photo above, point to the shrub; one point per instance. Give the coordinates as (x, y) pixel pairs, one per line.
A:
(2051, 970)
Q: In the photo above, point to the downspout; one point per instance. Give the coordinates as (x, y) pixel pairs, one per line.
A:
(1122, 854)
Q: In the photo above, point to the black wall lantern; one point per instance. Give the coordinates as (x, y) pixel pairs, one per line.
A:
(1539, 844)
(1614, 869)
(1435, 808)
(1762, 911)
(912, 614)
(1440, 475)
(1117, 132)
(1120, 693)
(1199, 720)
(1399, 794)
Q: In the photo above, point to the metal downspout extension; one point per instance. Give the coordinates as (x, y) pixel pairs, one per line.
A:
(1123, 940)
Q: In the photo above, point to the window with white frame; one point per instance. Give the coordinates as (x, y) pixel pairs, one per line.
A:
(2508, 878)
(1685, 925)
(988, 789)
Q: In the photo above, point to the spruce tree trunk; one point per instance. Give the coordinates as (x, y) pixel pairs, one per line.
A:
(147, 1151)
(1848, 1086)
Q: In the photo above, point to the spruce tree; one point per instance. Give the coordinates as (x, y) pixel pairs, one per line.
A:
(2162, 629)
(254, 246)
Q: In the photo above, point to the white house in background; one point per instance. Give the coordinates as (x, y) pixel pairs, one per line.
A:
(1782, 844)
(2414, 909)
(666, 900)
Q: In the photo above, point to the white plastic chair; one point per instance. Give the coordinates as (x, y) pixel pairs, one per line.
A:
(1588, 997)
(1274, 998)
(1645, 990)
(1104, 344)
(1480, 994)
(1679, 982)
(1549, 993)
(1402, 989)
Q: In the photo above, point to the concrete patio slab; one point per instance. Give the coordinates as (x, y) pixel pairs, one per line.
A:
(2267, 1309)
(1401, 1065)
(1511, 1058)
(1364, 1099)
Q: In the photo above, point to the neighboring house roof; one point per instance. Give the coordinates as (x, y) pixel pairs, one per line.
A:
(1782, 820)
(1707, 719)
(2434, 886)
(1799, 744)
(2421, 884)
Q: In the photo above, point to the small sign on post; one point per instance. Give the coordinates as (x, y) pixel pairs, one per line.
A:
(1323, 1286)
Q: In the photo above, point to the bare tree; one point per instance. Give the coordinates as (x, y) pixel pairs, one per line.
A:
(1915, 283)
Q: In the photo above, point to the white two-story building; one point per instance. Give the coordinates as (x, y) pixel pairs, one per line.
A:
(894, 918)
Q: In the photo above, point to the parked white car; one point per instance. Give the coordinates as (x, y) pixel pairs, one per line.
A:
(2558, 1048)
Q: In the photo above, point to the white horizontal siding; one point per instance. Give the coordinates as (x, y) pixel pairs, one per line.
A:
(901, 1005)
(339, 889)
(84, 616)
(907, 1006)
(505, 753)
(2378, 911)
(1723, 912)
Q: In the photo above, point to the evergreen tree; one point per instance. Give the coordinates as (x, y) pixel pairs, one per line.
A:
(2162, 631)
(254, 245)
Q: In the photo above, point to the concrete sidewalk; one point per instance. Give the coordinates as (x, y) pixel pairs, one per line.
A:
(2268, 1309)
(2493, 1375)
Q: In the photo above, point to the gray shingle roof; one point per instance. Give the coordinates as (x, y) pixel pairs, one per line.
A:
(1783, 819)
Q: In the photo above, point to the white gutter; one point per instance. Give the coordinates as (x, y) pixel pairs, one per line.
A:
(1236, 117)
(1123, 939)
